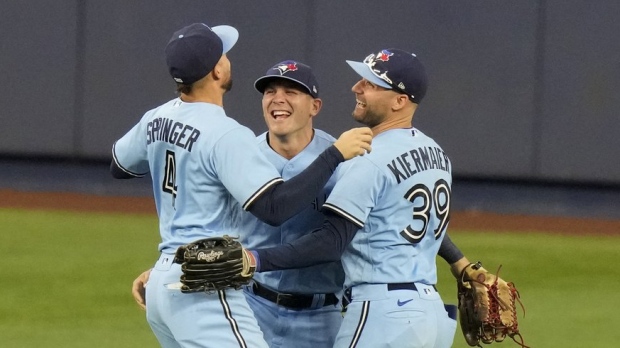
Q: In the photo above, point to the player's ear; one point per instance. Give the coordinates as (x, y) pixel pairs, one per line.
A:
(316, 106)
(400, 101)
(218, 69)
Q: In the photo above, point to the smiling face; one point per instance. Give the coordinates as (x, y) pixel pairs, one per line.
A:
(372, 103)
(288, 109)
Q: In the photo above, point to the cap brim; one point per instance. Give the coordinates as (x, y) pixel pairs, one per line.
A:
(364, 71)
(261, 83)
(228, 35)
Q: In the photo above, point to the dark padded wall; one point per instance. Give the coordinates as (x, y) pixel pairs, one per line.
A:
(519, 89)
(580, 117)
(125, 72)
(38, 77)
(480, 58)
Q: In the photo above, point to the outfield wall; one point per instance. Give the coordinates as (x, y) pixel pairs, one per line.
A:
(519, 89)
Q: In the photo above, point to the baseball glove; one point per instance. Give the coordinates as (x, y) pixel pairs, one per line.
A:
(487, 307)
(213, 264)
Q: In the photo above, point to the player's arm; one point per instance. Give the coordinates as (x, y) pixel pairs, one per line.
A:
(453, 256)
(281, 201)
(129, 155)
(119, 173)
(324, 245)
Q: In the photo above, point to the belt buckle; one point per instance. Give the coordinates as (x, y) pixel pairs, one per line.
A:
(283, 299)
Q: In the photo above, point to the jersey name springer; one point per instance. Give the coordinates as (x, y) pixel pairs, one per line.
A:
(423, 158)
(175, 133)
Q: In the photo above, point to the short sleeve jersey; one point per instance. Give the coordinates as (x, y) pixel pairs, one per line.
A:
(203, 164)
(399, 196)
(324, 278)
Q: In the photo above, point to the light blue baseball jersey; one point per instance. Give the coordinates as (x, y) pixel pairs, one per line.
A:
(399, 196)
(325, 278)
(281, 326)
(199, 160)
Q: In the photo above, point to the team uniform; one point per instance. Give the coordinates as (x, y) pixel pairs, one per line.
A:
(399, 197)
(389, 210)
(196, 156)
(307, 313)
(204, 165)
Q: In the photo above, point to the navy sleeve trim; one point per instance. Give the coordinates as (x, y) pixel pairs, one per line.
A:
(344, 214)
(118, 171)
(260, 191)
(279, 201)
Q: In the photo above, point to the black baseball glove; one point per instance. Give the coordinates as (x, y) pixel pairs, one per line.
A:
(212, 264)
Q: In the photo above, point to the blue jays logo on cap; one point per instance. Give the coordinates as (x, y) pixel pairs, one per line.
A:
(372, 59)
(284, 68)
(290, 70)
(394, 69)
(384, 55)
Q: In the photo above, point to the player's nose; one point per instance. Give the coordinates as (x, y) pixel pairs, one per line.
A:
(357, 87)
(279, 96)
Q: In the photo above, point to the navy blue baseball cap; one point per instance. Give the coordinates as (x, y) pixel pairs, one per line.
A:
(194, 50)
(395, 69)
(293, 71)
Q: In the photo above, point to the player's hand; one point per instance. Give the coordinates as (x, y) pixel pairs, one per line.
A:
(354, 142)
(457, 267)
(138, 288)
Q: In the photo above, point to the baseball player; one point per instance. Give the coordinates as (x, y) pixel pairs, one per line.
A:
(202, 163)
(290, 306)
(386, 217)
(294, 308)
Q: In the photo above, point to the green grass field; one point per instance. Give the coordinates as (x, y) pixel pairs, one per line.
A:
(66, 280)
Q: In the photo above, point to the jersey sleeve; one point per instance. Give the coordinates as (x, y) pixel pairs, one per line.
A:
(129, 152)
(242, 167)
(358, 185)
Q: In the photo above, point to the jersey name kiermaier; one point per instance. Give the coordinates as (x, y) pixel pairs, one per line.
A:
(324, 278)
(199, 160)
(399, 196)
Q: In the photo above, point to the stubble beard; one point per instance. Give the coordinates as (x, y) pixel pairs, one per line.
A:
(369, 118)
(228, 85)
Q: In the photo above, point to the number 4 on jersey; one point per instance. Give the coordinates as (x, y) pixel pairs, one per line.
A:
(170, 175)
(438, 200)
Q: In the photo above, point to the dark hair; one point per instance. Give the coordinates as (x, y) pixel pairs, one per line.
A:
(185, 89)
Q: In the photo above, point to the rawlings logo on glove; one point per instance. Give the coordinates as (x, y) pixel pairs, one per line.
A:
(210, 257)
(213, 264)
(487, 307)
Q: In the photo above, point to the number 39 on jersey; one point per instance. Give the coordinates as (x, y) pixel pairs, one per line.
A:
(431, 208)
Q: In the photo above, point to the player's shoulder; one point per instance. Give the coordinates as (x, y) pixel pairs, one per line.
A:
(320, 141)
(391, 144)
(323, 136)
(158, 110)
(262, 138)
(402, 140)
(367, 163)
(422, 137)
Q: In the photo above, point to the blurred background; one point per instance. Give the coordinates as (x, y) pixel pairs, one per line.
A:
(523, 97)
(523, 94)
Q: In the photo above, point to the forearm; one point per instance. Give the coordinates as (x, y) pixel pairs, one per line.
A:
(286, 199)
(453, 256)
(320, 246)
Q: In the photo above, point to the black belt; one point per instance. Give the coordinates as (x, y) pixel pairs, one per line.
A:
(404, 286)
(347, 298)
(291, 301)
